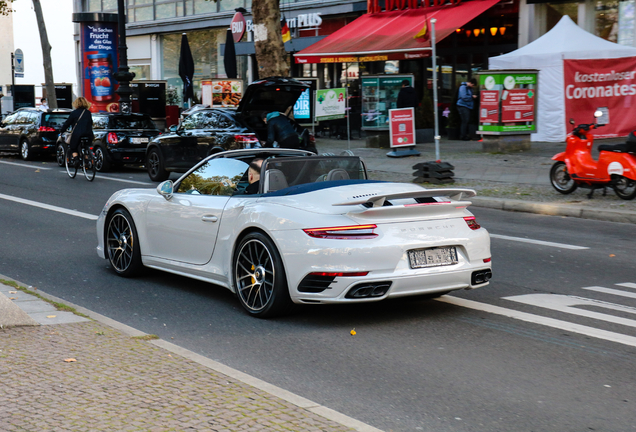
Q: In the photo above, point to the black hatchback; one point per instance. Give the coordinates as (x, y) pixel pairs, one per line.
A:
(120, 139)
(212, 130)
(32, 132)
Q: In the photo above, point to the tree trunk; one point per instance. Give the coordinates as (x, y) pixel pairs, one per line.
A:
(271, 57)
(46, 56)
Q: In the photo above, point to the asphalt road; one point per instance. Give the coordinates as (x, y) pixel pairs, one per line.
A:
(549, 345)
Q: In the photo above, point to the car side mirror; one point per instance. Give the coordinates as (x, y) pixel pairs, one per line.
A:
(571, 121)
(166, 189)
(173, 128)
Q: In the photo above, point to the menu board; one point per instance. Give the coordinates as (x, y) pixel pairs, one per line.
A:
(224, 92)
(379, 95)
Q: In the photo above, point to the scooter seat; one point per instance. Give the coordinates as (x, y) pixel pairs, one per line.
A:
(618, 148)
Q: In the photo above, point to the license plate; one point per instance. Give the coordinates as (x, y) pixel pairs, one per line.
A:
(139, 140)
(432, 257)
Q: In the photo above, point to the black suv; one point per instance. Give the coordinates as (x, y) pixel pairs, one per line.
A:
(212, 130)
(120, 139)
(32, 131)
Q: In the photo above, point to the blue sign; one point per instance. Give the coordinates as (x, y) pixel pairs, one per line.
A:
(19, 61)
(302, 109)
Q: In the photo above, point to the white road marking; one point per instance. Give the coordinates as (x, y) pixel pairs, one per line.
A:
(103, 177)
(536, 319)
(611, 291)
(49, 207)
(538, 242)
(567, 304)
(627, 285)
(24, 165)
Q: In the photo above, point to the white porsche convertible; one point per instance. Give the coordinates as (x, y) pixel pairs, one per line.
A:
(313, 229)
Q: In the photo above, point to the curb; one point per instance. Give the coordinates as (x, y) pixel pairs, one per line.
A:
(552, 209)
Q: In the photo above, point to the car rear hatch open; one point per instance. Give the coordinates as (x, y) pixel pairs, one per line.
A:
(267, 95)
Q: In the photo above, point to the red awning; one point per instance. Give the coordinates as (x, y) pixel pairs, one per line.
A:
(389, 35)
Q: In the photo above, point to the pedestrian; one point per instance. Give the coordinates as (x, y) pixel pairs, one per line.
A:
(407, 97)
(44, 105)
(465, 104)
(280, 130)
(82, 122)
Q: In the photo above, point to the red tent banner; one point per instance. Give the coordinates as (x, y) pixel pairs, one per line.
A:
(601, 83)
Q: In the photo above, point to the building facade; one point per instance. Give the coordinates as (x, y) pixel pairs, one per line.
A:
(154, 31)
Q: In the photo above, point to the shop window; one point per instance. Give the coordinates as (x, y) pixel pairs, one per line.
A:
(230, 5)
(142, 2)
(189, 7)
(626, 22)
(203, 6)
(166, 10)
(144, 13)
(142, 72)
(108, 5)
(310, 70)
(606, 20)
(94, 5)
(555, 11)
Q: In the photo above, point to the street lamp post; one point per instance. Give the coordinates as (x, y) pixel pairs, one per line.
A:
(123, 75)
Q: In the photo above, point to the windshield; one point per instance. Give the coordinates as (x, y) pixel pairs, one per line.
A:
(132, 122)
(280, 173)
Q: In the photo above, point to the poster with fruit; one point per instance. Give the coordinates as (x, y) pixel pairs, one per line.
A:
(99, 63)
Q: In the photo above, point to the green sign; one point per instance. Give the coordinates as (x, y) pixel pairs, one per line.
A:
(330, 104)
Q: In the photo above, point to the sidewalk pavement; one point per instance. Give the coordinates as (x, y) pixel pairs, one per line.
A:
(67, 371)
(61, 371)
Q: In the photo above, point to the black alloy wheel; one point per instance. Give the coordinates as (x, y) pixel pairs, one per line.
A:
(60, 153)
(102, 162)
(259, 277)
(625, 188)
(561, 180)
(122, 244)
(155, 166)
(25, 150)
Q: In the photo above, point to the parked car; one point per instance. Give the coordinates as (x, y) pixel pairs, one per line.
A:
(366, 240)
(207, 131)
(119, 139)
(32, 132)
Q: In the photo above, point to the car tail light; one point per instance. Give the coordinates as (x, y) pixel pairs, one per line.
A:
(472, 223)
(353, 232)
(340, 274)
(112, 138)
(312, 138)
(46, 129)
(246, 140)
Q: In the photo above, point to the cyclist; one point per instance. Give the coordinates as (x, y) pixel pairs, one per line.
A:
(82, 122)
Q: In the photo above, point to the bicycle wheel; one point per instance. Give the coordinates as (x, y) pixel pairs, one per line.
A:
(71, 169)
(88, 163)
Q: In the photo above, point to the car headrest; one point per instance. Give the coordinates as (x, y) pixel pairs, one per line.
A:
(274, 180)
(337, 174)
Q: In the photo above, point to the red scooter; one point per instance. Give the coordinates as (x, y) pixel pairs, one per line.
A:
(615, 167)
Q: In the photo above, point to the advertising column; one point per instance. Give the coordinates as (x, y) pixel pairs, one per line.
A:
(99, 60)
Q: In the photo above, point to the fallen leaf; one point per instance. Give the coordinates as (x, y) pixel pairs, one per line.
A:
(70, 360)
(37, 170)
(353, 332)
(13, 292)
(13, 298)
(51, 316)
(612, 255)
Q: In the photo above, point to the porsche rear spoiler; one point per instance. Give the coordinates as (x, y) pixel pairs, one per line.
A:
(379, 200)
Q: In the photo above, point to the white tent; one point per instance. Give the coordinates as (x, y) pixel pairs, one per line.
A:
(565, 41)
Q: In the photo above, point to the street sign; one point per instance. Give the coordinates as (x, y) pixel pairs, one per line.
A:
(19, 62)
(238, 27)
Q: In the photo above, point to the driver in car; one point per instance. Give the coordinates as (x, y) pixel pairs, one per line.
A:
(254, 176)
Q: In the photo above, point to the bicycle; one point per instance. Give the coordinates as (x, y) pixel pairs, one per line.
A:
(86, 161)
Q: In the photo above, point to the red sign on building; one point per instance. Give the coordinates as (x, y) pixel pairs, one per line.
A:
(517, 105)
(601, 83)
(402, 127)
(489, 106)
(238, 26)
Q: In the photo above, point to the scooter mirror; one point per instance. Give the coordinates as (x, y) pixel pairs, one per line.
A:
(598, 113)
(571, 121)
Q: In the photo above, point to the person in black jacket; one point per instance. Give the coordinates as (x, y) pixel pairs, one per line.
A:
(407, 97)
(280, 129)
(82, 122)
